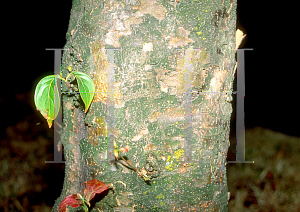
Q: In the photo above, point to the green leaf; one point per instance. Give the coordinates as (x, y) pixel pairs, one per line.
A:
(46, 98)
(86, 88)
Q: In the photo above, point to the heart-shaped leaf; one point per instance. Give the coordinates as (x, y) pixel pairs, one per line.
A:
(86, 88)
(94, 187)
(71, 200)
(46, 98)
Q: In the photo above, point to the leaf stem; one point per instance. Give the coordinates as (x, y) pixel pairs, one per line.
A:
(69, 75)
(117, 153)
(128, 163)
(85, 208)
(146, 178)
(65, 80)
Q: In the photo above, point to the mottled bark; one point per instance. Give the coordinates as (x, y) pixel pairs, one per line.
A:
(154, 64)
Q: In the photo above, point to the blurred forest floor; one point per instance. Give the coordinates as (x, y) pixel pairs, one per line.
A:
(272, 182)
(27, 183)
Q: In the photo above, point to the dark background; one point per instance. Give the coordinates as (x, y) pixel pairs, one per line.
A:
(271, 74)
(271, 99)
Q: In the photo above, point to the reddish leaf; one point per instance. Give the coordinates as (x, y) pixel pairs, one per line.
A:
(70, 200)
(124, 149)
(94, 187)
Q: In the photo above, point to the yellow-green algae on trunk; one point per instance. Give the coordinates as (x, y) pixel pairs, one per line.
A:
(151, 41)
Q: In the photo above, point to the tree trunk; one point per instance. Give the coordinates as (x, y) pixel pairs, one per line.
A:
(160, 68)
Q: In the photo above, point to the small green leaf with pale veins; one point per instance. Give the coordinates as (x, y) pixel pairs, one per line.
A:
(46, 98)
(86, 88)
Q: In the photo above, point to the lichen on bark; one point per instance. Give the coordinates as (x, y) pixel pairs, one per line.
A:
(154, 48)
